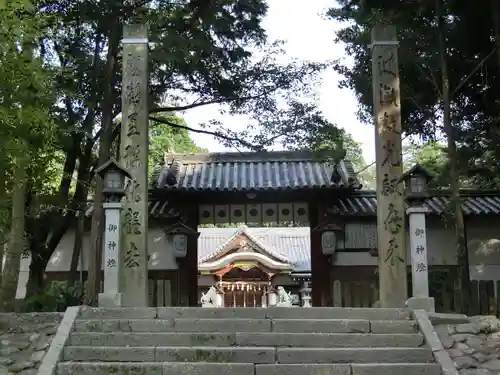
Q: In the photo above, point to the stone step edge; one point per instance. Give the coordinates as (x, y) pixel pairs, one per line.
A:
(201, 364)
(242, 348)
(249, 339)
(269, 312)
(249, 320)
(216, 319)
(233, 333)
(268, 325)
(199, 368)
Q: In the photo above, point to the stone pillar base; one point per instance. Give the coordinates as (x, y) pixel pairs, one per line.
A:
(110, 300)
(421, 303)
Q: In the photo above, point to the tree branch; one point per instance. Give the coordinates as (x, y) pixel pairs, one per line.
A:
(476, 68)
(431, 79)
(215, 134)
(196, 104)
(209, 102)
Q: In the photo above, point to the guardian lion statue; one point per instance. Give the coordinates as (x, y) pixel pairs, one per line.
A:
(209, 299)
(284, 298)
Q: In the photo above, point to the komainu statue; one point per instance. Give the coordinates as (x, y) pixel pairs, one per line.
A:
(284, 298)
(209, 299)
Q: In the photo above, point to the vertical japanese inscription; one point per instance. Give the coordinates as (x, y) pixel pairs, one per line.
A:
(418, 251)
(390, 207)
(112, 240)
(134, 149)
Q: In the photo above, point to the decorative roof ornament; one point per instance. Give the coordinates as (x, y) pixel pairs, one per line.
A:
(336, 176)
(169, 176)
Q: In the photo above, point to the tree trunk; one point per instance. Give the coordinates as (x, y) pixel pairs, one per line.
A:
(456, 203)
(36, 280)
(495, 15)
(4, 227)
(105, 144)
(16, 243)
(80, 203)
(77, 247)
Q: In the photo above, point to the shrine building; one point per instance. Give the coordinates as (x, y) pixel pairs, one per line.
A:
(256, 221)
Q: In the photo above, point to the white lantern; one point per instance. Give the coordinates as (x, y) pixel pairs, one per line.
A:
(180, 245)
(417, 184)
(328, 242)
(114, 179)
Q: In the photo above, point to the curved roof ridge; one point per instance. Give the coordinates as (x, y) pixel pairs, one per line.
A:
(243, 229)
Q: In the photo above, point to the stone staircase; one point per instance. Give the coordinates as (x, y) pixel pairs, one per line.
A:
(246, 341)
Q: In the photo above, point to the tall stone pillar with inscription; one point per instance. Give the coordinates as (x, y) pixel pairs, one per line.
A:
(134, 155)
(390, 200)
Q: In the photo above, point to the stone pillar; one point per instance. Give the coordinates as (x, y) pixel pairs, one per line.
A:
(272, 298)
(419, 265)
(390, 202)
(111, 296)
(219, 300)
(134, 154)
(263, 300)
(305, 294)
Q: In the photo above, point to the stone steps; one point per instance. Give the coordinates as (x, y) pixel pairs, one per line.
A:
(245, 354)
(155, 368)
(247, 325)
(246, 313)
(251, 341)
(312, 340)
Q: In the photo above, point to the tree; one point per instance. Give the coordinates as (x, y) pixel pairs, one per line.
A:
(200, 54)
(165, 138)
(25, 130)
(459, 99)
(431, 155)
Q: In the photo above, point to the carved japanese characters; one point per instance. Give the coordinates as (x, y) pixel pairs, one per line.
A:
(390, 199)
(134, 154)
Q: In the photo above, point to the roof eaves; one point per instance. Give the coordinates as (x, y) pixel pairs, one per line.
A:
(220, 248)
(264, 247)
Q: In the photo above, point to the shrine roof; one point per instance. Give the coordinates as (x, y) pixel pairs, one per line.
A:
(246, 232)
(292, 243)
(473, 203)
(364, 202)
(258, 171)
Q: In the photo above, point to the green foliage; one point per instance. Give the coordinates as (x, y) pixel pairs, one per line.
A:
(431, 155)
(58, 297)
(166, 138)
(474, 74)
(200, 53)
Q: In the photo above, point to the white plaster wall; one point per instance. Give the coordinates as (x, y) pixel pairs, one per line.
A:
(161, 257)
(483, 236)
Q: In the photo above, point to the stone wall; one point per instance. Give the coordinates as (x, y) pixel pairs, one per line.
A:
(24, 340)
(474, 347)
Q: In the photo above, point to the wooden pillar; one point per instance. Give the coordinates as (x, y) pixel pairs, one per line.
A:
(320, 264)
(390, 201)
(134, 157)
(188, 266)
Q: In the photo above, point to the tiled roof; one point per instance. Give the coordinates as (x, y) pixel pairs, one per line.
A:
(246, 231)
(270, 170)
(365, 203)
(294, 243)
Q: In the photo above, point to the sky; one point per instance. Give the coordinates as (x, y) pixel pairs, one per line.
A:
(308, 36)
